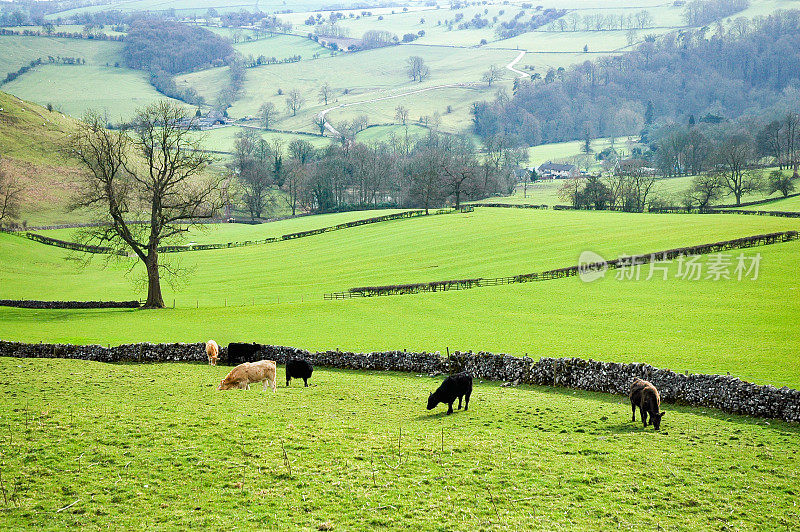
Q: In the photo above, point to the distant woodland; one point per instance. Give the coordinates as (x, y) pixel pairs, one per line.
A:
(164, 48)
(714, 74)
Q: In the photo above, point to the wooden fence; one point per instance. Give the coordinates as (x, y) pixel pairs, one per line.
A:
(634, 260)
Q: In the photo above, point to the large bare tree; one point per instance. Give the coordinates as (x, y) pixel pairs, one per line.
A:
(417, 69)
(735, 157)
(148, 183)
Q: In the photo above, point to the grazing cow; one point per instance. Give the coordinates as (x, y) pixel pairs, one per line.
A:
(212, 351)
(297, 368)
(646, 397)
(239, 353)
(458, 385)
(249, 372)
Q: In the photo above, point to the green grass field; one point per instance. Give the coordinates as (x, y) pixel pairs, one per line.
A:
(781, 204)
(224, 138)
(281, 46)
(76, 89)
(69, 28)
(17, 51)
(386, 133)
(604, 42)
(188, 7)
(671, 190)
(710, 326)
(220, 233)
(157, 446)
(366, 75)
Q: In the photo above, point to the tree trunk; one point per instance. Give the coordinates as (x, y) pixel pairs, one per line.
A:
(154, 299)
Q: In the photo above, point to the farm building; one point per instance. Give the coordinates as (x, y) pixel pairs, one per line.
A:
(551, 170)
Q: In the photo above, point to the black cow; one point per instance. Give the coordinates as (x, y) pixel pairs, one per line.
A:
(239, 353)
(297, 368)
(646, 397)
(454, 386)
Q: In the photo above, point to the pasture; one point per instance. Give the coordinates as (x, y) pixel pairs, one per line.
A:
(361, 81)
(273, 293)
(281, 46)
(364, 76)
(780, 204)
(77, 89)
(224, 138)
(157, 446)
(671, 190)
(17, 51)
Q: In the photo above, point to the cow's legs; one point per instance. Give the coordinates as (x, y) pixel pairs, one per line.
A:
(305, 381)
(459, 401)
(466, 401)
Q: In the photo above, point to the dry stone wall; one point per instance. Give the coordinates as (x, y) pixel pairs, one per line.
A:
(717, 391)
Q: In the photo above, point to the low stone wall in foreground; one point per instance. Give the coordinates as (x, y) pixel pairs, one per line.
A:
(717, 391)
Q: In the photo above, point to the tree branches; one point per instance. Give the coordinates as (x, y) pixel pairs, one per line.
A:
(151, 171)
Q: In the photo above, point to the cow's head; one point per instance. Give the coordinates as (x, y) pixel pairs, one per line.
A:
(656, 420)
(432, 401)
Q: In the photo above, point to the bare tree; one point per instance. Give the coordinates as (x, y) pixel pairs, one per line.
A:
(253, 160)
(571, 190)
(494, 73)
(319, 121)
(152, 171)
(459, 166)
(267, 113)
(10, 195)
(301, 150)
(778, 182)
(706, 187)
(417, 69)
(734, 158)
(325, 93)
(294, 101)
(401, 114)
(294, 179)
(424, 171)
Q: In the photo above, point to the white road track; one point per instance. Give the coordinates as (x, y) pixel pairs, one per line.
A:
(510, 66)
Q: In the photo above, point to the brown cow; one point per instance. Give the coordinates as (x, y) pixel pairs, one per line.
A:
(212, 350)
(250, 372)
(646, 397)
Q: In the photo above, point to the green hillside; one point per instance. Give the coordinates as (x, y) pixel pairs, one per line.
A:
(30, 141)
